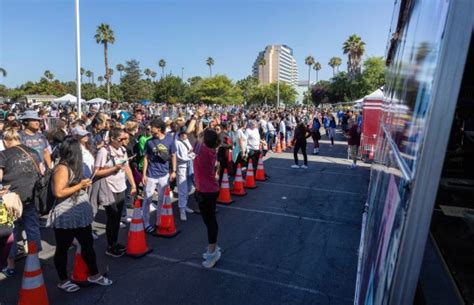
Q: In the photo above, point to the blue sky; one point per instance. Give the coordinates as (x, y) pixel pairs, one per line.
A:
(39, 35)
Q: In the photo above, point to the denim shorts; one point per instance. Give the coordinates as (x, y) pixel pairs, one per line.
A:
(29, 222)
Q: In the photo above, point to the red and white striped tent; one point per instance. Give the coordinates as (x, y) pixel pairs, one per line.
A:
(371, 114)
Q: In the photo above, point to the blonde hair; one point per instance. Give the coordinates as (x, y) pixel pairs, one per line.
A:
(131, 126)
(10, 134)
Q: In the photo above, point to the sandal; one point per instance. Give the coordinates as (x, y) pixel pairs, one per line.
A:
(8, 272)
(102, 281)
(68, 286)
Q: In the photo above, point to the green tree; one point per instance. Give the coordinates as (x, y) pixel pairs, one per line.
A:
(354, 47)
(48, 75)
(217, 90)
(100, 79)
(153, 74)
(162, 65)
(111, 72)
(120, 68)
(105, 35)
(90, 75)
(82, 71)
(3, 72)
(133, 87)
(309, 61)
(210, 63)
(248, 86)
(374, 72)
(262, 62)
(170, 89)
(147, 73)
(317, 67)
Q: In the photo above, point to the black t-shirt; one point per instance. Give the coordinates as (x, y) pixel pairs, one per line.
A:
(19, 171)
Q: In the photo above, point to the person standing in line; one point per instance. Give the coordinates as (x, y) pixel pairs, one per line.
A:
(160, 153)
(32, 137)
(242, 146)
(301, 134)
(353, 140)
(271, 134)
(112, 166)
(71, 215)
(18, 168)
(282, 129)
(253, 142)
(184, 155)
(207, 190)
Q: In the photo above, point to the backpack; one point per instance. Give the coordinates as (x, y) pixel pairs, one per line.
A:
(43, 197)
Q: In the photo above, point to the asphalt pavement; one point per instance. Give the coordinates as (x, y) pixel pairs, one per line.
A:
(293, 240)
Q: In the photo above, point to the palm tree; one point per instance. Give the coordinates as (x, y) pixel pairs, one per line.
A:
(120, 68)
(89, 74)
(317, 67)
(262, 62)
(334, 62)
(162, 65)
(147, 72)
(210, 63)
(354, 47)
(153, 74)
(82, 73)
(3, 72)
(105, 35)
(309, 60)
(49, 75)
(100, 79)
(111, 72)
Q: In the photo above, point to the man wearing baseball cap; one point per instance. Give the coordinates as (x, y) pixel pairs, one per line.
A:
(32, 137)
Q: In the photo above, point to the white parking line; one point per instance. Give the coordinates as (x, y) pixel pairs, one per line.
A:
(290, 216)
(245, 276)
(312, 188)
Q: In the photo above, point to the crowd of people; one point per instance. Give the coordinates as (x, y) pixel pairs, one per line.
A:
(105, 158)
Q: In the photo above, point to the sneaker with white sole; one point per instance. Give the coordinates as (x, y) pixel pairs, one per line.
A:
(122, 225)
(304, 166)
(189, 211)
(295, 166)
(206, 254)
(182, 215)
(212, 259)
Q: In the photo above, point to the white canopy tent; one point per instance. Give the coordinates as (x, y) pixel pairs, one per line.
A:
(68, 98)
(377, 95)
(98, 100)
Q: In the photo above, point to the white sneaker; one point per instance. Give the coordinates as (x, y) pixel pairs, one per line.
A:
(192, 190)
(152, 207)
(295, 166)
(206, 254)
(182, 215)
(122, 225)
(304, 166)
(212, 259)
(126, 219)
(189, 211)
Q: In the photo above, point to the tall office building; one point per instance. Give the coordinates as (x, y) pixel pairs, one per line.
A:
(279, 61)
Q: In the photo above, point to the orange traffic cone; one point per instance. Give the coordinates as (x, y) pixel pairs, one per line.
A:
(224, 193)
(80, 271)
(229, 162)
(278, 146)
(136, 244)
(283, 144)
(260, 173)
(33, 291)
(249, 179)
(166, 227)
(238, 189)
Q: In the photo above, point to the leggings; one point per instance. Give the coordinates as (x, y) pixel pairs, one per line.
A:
(297, 147)
(207, 205)
(64, 238)
(114, 212)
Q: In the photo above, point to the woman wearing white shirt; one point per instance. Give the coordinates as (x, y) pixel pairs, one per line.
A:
(184, 155)
(242, 140)
(253, 142)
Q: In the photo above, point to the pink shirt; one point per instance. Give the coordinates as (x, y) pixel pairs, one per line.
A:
(204, 169)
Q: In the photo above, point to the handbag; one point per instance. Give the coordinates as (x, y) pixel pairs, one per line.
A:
(43, 197)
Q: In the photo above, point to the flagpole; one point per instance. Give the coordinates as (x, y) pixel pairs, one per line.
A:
(78, 59)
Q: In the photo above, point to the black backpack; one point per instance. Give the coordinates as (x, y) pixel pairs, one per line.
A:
(43, 197)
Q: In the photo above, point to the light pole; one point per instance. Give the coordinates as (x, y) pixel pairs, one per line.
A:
(78, 59)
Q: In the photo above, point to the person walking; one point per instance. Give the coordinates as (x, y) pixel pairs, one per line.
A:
(71, 215)
(316, 134)
(332, 128)
(353, 140)
(301, 134)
